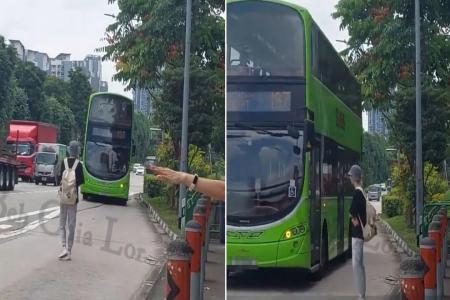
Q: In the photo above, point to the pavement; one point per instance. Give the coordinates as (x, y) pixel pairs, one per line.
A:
(382, 263)
(116, 248)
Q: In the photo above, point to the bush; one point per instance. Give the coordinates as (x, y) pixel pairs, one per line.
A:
(152, 186)
(392, 205)
(435, 183)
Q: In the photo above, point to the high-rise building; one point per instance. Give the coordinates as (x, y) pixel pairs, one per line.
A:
(142, 101)
(61, 65)
(377, 123)
(20, 49)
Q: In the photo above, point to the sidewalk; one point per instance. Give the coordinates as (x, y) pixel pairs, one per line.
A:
(215, 273)
(215, 276)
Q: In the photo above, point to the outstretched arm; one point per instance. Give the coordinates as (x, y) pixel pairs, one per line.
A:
(213, 188)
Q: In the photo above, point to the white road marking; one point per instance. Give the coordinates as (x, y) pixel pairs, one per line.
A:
(31, 225)
(4, 226)
(37, 212)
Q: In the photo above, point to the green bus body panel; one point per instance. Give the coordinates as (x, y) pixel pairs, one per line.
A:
(115, 189)
(269, 248)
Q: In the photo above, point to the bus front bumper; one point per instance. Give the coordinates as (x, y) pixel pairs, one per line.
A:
(111, 190)
(292, 253)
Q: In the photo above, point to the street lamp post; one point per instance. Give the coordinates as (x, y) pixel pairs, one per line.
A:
(419, 167)
(184, 129)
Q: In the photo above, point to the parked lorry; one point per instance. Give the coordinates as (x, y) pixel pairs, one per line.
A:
(47, 163)
(23, 138)
(8, 169)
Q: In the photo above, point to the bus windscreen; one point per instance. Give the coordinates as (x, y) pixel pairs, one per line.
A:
(264, 39)
(108, 140)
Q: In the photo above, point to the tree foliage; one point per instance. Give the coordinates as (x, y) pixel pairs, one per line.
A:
(7, 63)
(141, 136)
(374, 160)
(27, 93)
(79, 91)
(381, 52)
(147, 43)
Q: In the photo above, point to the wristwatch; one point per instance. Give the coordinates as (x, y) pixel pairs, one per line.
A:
(194, 183)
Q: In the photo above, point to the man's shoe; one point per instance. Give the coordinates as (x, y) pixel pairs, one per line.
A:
(63, 254)
(67, 257)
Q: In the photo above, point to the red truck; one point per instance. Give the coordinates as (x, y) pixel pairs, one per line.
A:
(23, 138)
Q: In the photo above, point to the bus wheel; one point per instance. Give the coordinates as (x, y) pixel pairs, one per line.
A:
(2, 177)
(85, 196)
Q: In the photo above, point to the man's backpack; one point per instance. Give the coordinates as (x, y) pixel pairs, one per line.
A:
(68, 193)
(370, 229)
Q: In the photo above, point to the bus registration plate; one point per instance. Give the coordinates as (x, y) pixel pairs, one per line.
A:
(243, 261)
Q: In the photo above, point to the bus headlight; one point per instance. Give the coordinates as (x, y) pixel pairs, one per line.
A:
(294, 232)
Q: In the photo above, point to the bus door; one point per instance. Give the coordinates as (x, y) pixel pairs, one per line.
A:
(340, 199)
(315, 204)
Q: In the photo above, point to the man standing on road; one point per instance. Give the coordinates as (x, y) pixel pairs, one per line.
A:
(358, 215)
(68, 212)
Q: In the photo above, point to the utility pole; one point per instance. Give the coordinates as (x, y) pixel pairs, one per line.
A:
(419, 167)
(184, 129)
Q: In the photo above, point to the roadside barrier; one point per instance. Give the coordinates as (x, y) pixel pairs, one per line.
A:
(443, 213)
(187, 257)
(434, 232)
(411, 278)
(194, 239)
(178, 270)
(428, 254)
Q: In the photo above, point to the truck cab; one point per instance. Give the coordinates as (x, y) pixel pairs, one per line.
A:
(23, 138)
(48, 161)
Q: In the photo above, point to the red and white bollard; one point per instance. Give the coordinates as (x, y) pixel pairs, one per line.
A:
(434, 232)
(178, 270)
(428, 255)
(411, 278)
(200, 217)
(194, 238)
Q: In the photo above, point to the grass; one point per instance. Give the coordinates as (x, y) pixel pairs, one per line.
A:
(408, 234)
(169, 215)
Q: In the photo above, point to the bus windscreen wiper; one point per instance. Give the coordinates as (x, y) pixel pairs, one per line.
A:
(259, 130)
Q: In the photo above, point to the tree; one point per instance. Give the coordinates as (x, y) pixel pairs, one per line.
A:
(31, 80)
(146, 42)
(79, 91)
(7, 62)
(55, 87)
(381, 52)
(374, 159)
(21, 110)
(141, 136)
(60, 115)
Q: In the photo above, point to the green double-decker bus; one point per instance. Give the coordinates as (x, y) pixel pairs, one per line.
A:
(293, 131)
(107, 147)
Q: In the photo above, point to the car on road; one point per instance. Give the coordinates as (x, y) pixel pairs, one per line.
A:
(374, 192)
(135, 166)
(140, 170)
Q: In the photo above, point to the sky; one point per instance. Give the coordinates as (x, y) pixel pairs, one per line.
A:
(57, 26)
(77, 26)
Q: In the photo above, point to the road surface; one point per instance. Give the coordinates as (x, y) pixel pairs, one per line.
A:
(382, 269)
(115, 247)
